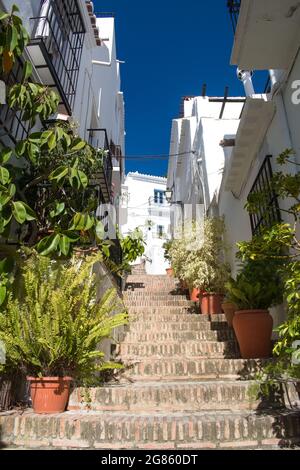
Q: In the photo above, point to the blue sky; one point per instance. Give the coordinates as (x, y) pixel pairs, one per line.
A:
(171, 47)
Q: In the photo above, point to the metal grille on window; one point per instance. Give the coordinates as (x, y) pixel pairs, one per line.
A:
(56, 47)
(269, 212)
(11, 124)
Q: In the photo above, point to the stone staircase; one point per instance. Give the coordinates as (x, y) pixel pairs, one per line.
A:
(184, 387)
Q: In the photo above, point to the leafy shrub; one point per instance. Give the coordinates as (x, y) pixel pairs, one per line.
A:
(197, 257)
(54, 324)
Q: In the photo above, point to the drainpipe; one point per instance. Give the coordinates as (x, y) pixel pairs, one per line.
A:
(99, 62)
(107, 64)
(245, 76)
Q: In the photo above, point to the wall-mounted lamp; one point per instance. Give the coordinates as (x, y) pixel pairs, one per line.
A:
(169, 195)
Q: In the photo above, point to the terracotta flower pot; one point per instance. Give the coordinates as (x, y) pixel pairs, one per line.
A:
(210, 304)
(229, 309)
(49, 394)
(194, 295)
(170, 272)
(253, 329)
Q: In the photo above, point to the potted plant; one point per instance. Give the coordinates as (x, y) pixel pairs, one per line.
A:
(279, 244)
(204, 267)
(167, 246)
(53, 326)
(256, 289)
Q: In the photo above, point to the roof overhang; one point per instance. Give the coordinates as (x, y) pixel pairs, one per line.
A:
(255, 121)
(267, 34)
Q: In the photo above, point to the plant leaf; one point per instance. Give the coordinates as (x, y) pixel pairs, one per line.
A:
(4, 175)
(78, 144)
(64, 245)
(5, 155)
(19, 212)
(48, 244)
(27, 71)
(3, 292)
(59, 173)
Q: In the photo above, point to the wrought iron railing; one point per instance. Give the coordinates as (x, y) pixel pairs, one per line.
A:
(269, 212)
(59, 31)
(234, 11)
(116, 256)
(98, 139)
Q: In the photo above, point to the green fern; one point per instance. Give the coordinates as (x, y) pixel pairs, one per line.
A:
(54, 325)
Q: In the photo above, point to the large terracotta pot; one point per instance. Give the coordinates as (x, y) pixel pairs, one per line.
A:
(229, 309)
(49, 394)
(194, 295)
(210, 304)
(253, 329)
(170, 272)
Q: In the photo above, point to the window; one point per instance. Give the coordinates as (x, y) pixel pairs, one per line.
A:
(56, 47)
(159, 196)
(160, 231)
(269, 212)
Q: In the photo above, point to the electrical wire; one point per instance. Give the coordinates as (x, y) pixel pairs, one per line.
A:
(152, 157)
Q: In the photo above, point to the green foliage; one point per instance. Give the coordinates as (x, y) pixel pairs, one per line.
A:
(32, 99)
(167, 247)
(48, 195)
(257, 286)
(54, 324)
(133, 246)
(13, 39)
(6, 277)
(197, 256)
(280, 245)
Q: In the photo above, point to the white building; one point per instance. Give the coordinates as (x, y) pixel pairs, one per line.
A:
(73, 51)
(266, 38)
(197, 160)
(146, 206)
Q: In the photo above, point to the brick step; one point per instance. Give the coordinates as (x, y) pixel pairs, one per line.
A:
(163, 310)
(150, 290)
(157, 326)
(126, 430)
(172, 293)
(174, 317)
(152, 278)
(162, 281)
(162, 303)
(192, 369)
(221, 335)
(165, 396)
(149, 298)
(171, 349)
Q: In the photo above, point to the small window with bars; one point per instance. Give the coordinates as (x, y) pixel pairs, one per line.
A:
(268, 212)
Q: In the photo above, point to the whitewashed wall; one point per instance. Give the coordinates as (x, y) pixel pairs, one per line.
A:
(99, 100)
(141, 208)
